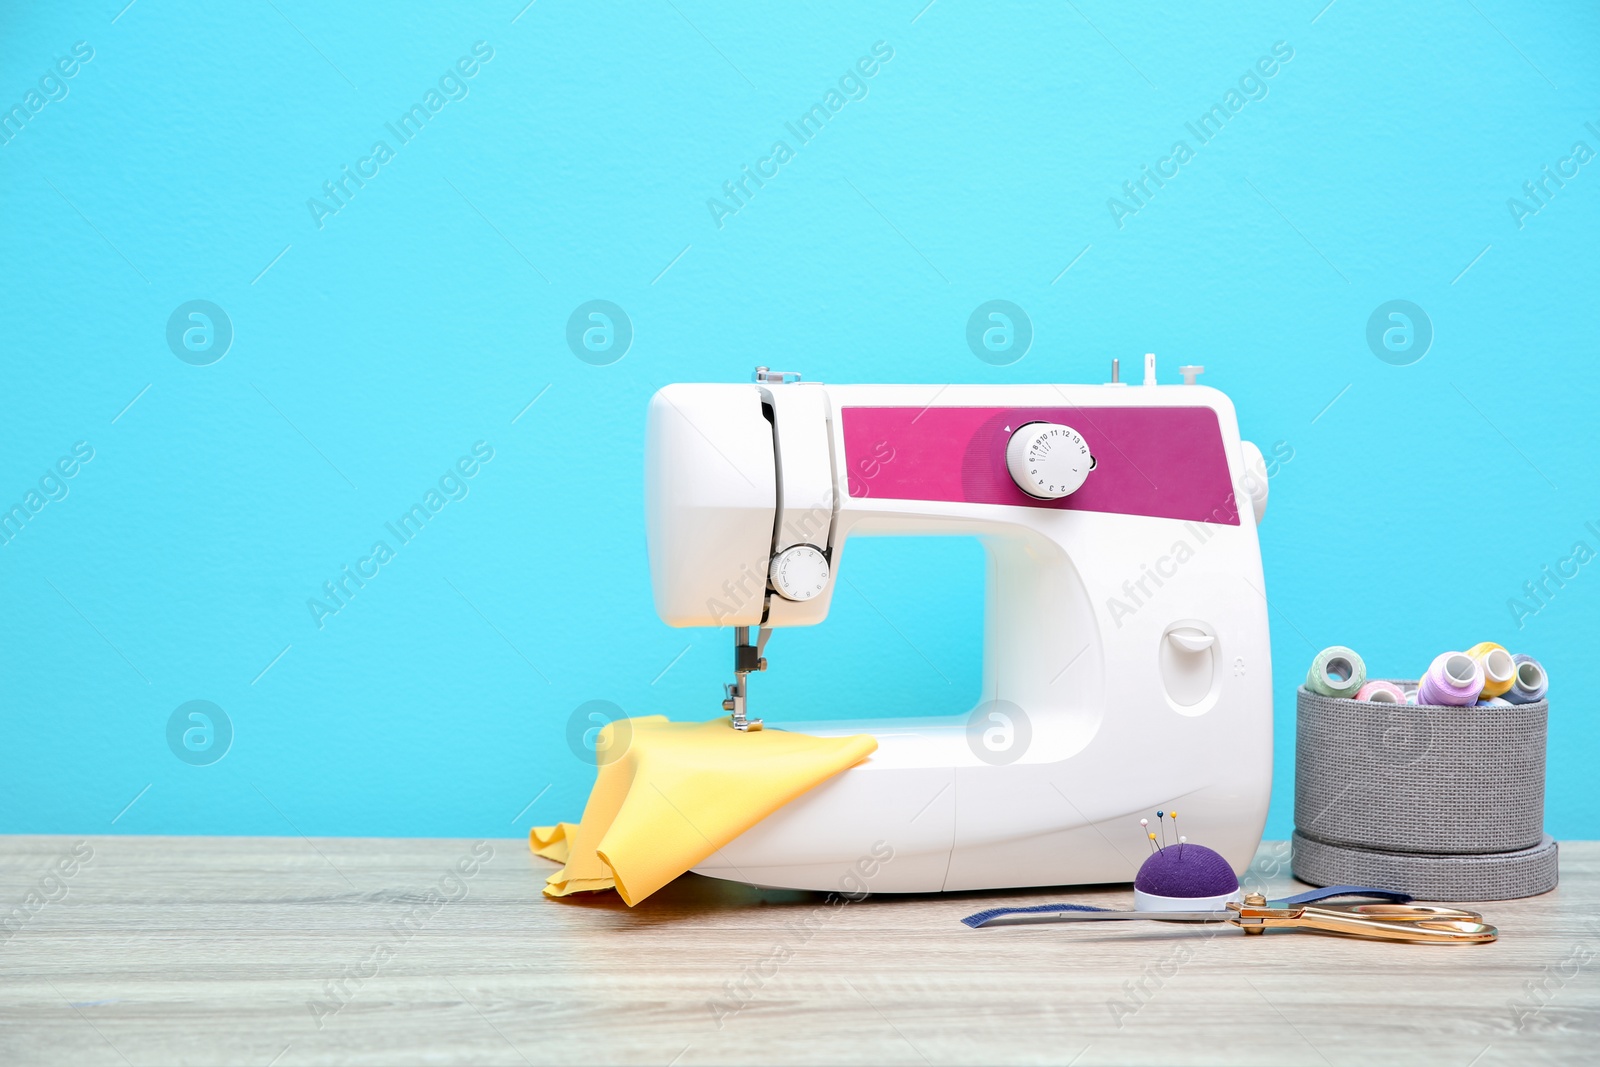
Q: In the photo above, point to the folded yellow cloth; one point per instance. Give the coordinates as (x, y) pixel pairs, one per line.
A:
(669, 794)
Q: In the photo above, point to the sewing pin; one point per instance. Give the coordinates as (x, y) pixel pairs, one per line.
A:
(1181, 842)
(1174, 816)
(1146, 824)
(1160, 815)
(1153, 848)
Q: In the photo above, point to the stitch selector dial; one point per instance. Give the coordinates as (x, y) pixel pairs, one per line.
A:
(799, 573)
(1048, 460)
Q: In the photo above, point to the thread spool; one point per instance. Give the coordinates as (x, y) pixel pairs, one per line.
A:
(1494, 702)
(1454, 679)
(1530, 684)
(1380, 692)
(1499, 671)
(1336, 672)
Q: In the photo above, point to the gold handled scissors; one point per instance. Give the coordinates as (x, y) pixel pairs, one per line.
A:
(1384, 922)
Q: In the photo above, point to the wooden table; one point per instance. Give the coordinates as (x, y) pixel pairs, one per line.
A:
(160, 950)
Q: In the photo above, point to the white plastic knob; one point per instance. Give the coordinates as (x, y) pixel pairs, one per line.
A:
(1048, 460)
(799, 573)
(1191, 639)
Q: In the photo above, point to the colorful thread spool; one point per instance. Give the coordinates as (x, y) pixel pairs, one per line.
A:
(1494, 702)
(1380, 692)
(1499, 672)
(1336, 672)
(1531, 682)
(1454, 679)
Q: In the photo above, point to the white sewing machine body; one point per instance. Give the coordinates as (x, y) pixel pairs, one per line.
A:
(1126, 661)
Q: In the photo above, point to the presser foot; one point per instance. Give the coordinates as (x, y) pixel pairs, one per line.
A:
(746, 658)
(734, 702)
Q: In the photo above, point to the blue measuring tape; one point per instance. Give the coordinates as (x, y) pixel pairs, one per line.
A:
(1310, 896)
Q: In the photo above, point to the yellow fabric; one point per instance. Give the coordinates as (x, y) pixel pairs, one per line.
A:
(1480, 652)
(669, 794)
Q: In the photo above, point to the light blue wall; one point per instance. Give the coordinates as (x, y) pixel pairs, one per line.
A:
(373, 351)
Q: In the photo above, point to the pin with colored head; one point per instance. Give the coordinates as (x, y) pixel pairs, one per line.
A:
(1160, 815)
(1145, 824)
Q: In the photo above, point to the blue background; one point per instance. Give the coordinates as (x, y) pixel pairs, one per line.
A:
(428, 312)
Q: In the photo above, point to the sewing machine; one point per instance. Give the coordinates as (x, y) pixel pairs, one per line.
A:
(1126, 661)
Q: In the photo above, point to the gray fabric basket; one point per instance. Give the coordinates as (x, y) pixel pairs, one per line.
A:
(1491, 876)
(1422, 779)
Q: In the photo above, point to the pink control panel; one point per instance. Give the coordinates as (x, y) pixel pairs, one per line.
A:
(1164, 462)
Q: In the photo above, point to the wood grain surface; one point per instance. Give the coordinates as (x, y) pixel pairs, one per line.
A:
(161, 950)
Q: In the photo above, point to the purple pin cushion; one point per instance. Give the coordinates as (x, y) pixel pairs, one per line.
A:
(1185, 878)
